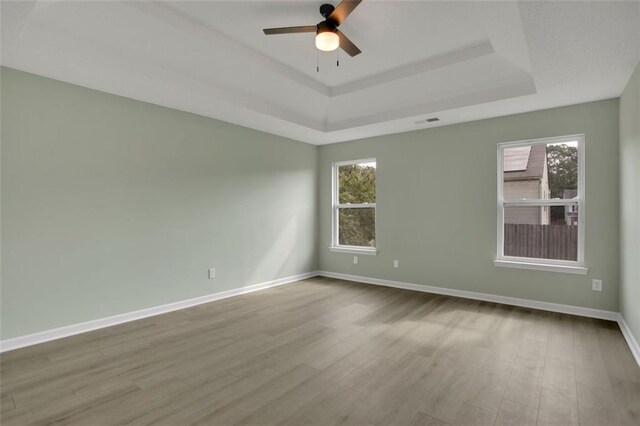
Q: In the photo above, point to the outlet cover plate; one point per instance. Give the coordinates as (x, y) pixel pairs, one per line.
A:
(596, 285)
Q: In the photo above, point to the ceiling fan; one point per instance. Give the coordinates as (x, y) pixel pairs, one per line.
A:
(328, 36)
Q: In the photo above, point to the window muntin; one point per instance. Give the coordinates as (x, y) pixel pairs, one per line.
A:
(541, 201)
(354, 205)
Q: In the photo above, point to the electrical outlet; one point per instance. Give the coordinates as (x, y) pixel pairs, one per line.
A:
(212, 273)
(596, 285)
(355, 260)
(395, 264)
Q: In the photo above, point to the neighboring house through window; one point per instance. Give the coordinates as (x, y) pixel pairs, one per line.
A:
(354, 206)
(526, 176)
(541, 204)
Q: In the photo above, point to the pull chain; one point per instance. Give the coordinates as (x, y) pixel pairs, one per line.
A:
(317, 61)
(338, 57)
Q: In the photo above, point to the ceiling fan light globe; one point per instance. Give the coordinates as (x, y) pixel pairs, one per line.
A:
(327, 41)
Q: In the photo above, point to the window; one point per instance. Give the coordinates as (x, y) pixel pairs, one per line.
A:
(354, 206)
(541, 204)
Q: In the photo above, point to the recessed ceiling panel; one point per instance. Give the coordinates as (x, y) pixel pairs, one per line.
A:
(390, 34)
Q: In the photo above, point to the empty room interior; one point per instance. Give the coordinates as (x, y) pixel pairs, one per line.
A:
(320, 212)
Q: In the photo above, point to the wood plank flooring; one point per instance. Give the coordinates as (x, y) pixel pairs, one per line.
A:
(323, 352)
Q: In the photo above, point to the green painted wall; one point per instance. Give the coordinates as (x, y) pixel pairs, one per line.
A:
(437, 206)
(630, 203)
(110, 205)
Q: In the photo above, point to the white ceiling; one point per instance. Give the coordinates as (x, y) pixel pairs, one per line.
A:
(459, 61)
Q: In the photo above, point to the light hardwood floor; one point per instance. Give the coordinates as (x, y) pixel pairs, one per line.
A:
(322, 352)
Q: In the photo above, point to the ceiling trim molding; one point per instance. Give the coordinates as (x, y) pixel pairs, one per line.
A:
(522, 88)
(431, 63)
(177, 19)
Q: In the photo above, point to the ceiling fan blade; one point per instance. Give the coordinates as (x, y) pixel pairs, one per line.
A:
(343, 10)
(347, 45)
(291, 30)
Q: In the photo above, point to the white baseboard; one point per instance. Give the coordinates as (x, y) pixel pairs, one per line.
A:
(630, 338)
(70, 330)
(526, 303)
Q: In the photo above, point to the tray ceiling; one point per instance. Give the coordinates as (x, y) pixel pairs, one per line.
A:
(459, 61)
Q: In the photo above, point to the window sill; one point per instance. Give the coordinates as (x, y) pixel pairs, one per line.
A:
(372, 251)
(579, 270)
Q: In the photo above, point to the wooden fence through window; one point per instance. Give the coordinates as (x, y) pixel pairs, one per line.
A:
(541, 241)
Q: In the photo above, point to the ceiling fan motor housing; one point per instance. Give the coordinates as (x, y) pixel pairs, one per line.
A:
(326, 26)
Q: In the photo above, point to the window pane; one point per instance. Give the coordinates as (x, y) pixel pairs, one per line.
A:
(525, 234)
(357, 227)
(541, 171)
(357, 183)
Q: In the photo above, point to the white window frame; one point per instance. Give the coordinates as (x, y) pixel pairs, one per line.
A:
(336, 206)
(553, 265)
